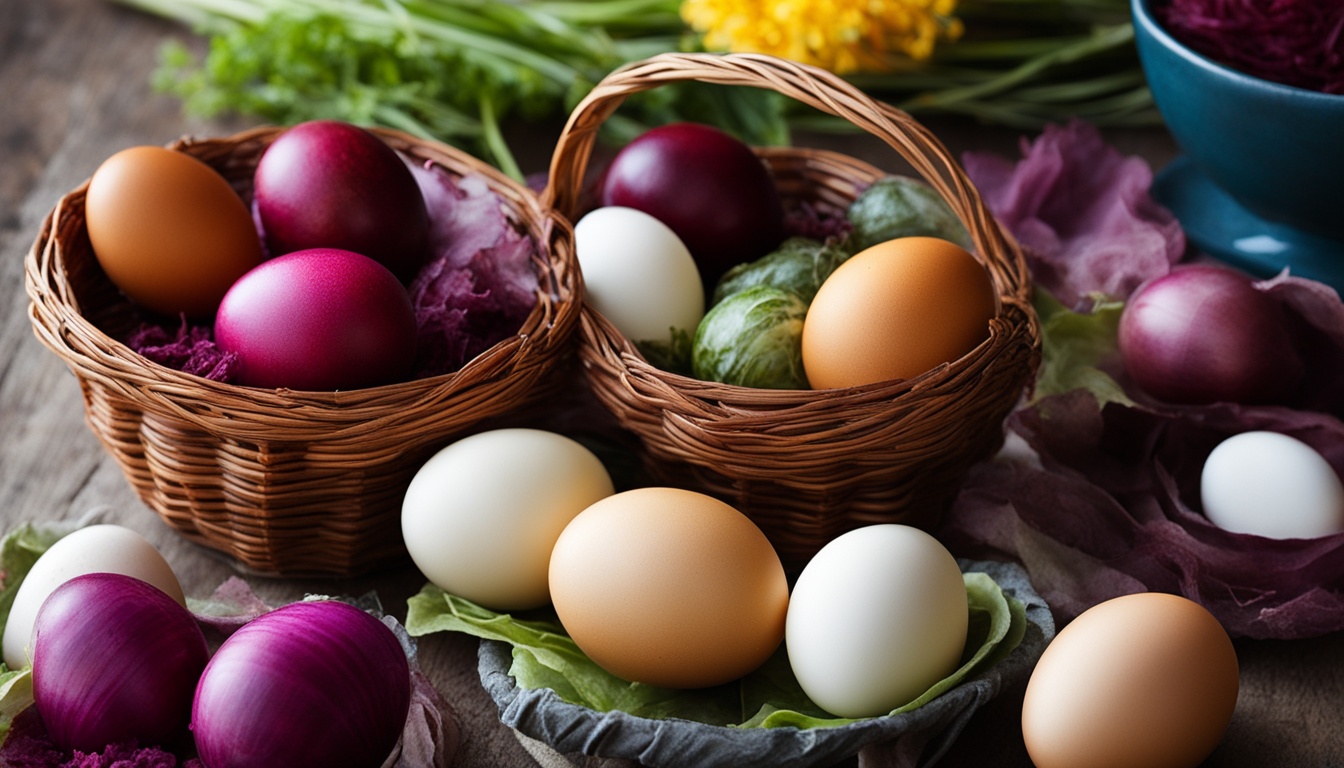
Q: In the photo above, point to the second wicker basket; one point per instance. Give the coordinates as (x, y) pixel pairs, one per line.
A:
(810, 465)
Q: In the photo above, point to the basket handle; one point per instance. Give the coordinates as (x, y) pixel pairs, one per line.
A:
(809, 85)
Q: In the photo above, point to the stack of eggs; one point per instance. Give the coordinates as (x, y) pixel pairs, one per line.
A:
(674, 588)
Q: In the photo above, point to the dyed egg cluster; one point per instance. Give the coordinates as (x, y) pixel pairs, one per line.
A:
(306, 288)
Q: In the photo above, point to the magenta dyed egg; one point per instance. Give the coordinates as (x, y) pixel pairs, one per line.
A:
(318, 319)
(330, 184)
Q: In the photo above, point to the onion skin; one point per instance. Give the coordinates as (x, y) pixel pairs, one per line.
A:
(114, 659)
(707, 186)
(311, 683)
(1204, 334)
(329, 184)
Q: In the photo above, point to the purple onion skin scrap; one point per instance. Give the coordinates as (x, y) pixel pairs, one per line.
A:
(115, 659)
(310, 683)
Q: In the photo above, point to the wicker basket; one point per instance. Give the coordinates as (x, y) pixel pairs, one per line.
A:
(286, 482)
(810, 465)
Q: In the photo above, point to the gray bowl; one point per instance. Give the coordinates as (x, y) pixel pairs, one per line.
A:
(545, 722)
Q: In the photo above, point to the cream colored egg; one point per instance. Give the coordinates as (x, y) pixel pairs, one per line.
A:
(93, 549)
(638, 274)
(481, 516)
(669, 587)
(877, 616)
(1146, 679)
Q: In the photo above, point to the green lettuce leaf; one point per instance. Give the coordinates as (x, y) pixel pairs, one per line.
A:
(16, 693)
(1074, 345)
(769, 697)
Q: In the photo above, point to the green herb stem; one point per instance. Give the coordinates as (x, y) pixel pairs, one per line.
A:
(456, 69)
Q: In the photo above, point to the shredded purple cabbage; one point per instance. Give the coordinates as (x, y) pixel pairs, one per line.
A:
(1082, 212)
(28, 746)
(190, 349)
(480, 286)
(1293, 42)
(816, 222)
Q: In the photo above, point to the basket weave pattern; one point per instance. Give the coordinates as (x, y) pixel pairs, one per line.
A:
(288, 482)
(809, 465)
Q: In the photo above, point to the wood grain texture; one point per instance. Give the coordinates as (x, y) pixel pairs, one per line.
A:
(74, 89)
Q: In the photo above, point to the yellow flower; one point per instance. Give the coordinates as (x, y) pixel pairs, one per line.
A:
(840, 35)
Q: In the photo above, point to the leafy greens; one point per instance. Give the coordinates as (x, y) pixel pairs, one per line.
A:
(770, 697)
(451, 70)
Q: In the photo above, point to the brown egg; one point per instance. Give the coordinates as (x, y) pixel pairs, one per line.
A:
(168, 230)
(1142, 680)
(669, 587)
(894, 311)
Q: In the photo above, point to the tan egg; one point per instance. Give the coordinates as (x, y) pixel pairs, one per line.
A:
(669, 587)
(894, 311)
(1142, 680)
(168, 230)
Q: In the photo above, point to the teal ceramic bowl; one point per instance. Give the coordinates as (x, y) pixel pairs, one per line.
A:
(1261, 179)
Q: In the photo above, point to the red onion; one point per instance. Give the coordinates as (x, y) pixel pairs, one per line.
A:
(114, 659)
(312, 683)
(1204, 334)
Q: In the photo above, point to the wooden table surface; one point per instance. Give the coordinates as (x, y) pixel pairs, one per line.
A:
(74, 89)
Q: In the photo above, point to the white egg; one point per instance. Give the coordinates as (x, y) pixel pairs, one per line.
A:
(1271, 485)
(638, 273)
(876, 617)
(93, 549)
(481, 517)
